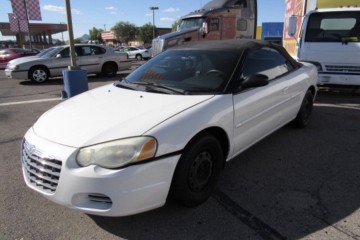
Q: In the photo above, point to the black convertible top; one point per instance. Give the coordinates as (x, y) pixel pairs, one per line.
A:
(239, 45)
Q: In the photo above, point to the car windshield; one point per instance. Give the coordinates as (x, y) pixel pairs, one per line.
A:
(50, 52)
(333, 27)
(45, 51)
(191, 23)
(184, 71)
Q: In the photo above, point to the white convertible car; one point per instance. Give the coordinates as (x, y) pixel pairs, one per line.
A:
(167, 129)
(52, 62)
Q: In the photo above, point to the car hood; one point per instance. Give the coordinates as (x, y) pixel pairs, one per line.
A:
(177, 34)
(21, 60)
(109, 113)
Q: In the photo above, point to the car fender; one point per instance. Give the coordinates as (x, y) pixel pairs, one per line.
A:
(176, 132)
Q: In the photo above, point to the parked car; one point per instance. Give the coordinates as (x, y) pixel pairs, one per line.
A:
(51, 62)
(138, 53)
(167, 129)
(9, 54)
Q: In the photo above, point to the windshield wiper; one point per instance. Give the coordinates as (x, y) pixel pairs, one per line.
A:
(125, 84)
(162, 88)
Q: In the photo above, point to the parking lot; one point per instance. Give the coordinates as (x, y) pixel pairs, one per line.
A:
(295, 184)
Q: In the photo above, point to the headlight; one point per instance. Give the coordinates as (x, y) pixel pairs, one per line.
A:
(118, 153)
(12, 67)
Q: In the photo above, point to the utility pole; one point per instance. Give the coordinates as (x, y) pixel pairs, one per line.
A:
(153, 10)
(71, 37)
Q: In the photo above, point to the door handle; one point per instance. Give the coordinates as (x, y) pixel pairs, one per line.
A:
(285, 90)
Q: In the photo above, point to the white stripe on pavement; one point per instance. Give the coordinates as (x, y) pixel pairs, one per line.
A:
(31, 101)
(347, 106)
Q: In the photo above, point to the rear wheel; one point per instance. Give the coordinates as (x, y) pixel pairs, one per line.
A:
(197, 172)
(109, 69)
(139, 57)
(39, 74)
(303, 116)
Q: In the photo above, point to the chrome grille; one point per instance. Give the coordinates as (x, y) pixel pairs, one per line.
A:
(343, 69)
(157, 46)
(43, 172)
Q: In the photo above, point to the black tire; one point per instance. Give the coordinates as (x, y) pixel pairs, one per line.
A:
(39, 74)
(109, 69)
(197, 172)
(303, 116)
(139, 57)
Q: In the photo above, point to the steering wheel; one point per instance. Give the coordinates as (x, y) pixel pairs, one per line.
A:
(216, 71)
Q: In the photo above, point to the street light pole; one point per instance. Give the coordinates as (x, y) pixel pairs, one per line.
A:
(153, 10)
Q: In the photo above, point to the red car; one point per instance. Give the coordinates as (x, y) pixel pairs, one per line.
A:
(11, 53)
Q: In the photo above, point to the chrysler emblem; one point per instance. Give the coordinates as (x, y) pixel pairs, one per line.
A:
(32, 150)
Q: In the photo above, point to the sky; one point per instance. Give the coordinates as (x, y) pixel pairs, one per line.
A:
(104, 14)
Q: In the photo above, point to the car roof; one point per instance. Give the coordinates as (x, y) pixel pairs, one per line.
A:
(239, 45)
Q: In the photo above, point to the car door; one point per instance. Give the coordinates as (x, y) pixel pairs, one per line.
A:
(132, 52)
(261, 110)
(90, 58)
(58, 62)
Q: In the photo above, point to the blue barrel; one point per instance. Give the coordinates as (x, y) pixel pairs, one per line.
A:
(75, 82)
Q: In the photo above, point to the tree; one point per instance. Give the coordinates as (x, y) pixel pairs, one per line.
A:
(95, 34)
(77, 40)
(146, 32)
(124, 31)
(175, 25)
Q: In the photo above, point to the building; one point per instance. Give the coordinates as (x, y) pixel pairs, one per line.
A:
(40, 34)
(110, 38)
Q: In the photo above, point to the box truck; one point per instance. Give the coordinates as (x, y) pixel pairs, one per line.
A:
(327, 34)
(216, 20)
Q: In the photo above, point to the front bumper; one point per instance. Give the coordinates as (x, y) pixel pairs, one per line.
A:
(16, 74)
(338, 79)
(95, 190)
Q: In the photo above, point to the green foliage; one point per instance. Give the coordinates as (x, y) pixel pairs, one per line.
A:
(77, 40)
(95, 34)
(146, 33)
(59, 43)
(175, 25)
(124, 31)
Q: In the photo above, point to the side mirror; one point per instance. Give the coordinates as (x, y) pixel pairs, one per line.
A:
(58, 55)
(292, 26)
(204, 29)
(254, 80)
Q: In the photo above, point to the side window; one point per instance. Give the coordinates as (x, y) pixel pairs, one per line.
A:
(241, 25)
(266, 61)
(96, 50)
(214, 24)
(65, 52)
(86, 51)
(78, 51)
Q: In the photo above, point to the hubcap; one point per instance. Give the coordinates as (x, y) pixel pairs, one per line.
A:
(39, 75)
(200, 171)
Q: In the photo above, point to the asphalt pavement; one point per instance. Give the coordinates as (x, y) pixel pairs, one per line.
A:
(294, 184)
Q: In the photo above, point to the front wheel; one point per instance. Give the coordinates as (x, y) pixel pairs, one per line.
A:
(39, 74)
(109, 69)
(197, 172)
(303, 116)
